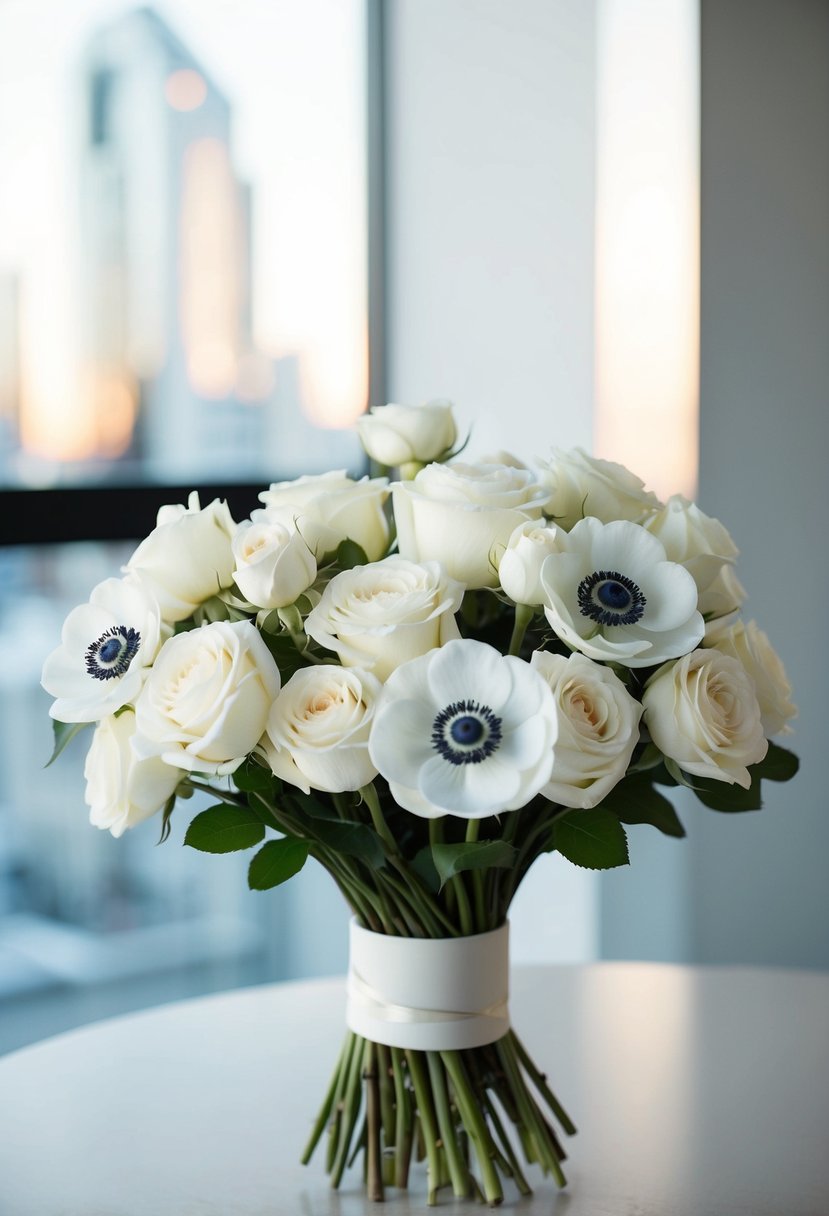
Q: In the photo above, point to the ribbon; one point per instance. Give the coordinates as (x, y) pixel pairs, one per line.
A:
(428, 994)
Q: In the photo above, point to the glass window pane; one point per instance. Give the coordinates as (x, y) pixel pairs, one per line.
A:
(183, 239)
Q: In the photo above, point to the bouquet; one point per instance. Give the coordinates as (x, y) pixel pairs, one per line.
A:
(423, 681)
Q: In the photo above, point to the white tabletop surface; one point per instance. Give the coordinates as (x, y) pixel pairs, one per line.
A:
(697, 1092)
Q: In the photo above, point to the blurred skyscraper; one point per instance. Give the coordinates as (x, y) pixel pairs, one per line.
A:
(10, 387)
(165, 258)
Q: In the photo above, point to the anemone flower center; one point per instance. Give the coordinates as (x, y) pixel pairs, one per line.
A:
(112, 653)
(610, 598)
(466, 732)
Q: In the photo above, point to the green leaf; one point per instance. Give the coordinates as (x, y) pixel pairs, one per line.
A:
(423, 865)
(720, 796)
(350, 554)
(252, 775)
(634, 800)
(593, 839)
(353, 839)
(777, 765)
(276, 862)
(225, 829)
(64, 733)
(451, 859)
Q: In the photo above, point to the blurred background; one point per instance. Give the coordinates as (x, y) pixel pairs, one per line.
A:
(227, 228)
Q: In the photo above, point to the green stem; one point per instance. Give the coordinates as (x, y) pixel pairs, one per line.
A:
(326, 1108)
(425, 1110)
(523, 616)
(404, 1121)
(469, 1107)
(477, 879)
(458, 1172)
(539, 1079)
(374, 1158)
(532, 1118)
(351, 1109)
(337, 1105)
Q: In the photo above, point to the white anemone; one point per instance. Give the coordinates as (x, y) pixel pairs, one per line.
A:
(464, 731)
(105, 651)
(612, 594)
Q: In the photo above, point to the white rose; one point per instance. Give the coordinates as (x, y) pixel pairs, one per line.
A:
(697, 541)
(702, 712)
(318, 728)
(750, 645)
(187, 558)
(598, 728)
(579, 485)
(206, 702)
(724, 595)
(330, 508)
(520, 567)
(462, 515)
(273, 563)
(122, 790)
(398, 434)
(381, 615)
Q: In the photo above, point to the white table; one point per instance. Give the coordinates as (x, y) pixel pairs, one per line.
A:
(697, 1091)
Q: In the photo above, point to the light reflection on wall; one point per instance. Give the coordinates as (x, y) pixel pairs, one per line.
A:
(647, 240)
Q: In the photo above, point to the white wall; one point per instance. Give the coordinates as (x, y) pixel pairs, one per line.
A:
(490, 130)
(753, 888)
(490, 215)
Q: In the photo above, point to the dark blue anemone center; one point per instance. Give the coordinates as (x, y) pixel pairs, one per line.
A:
(610, 598)
(111, 654)
(466, 732)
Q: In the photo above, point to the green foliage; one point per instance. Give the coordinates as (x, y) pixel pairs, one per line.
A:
(225, 829)
(166, 816)
(276, 862)
(634, 800)
(349, 554)
(252, 776)
(353, 839)
(64, 733)
(778, 764)
(593, 839)
(450, 859)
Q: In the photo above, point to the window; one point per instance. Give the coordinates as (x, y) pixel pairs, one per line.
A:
(184, 302)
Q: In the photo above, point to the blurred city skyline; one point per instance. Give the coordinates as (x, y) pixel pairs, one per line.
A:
(182, 237)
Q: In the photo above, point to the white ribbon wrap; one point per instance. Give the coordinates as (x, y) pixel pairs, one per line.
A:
(428, 994)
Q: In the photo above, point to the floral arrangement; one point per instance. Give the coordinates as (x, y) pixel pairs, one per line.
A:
(424, 684)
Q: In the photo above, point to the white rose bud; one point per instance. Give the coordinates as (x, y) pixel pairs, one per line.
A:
(462, 515)
(697, 541)
(750, 645)
(702, 712)
(598, 728)
(399, 434)
(187, 557)
(273, 563)
(206, 701)
(520, 567)
(724, 596)
(318, 729)
(579, 485)
(122, 790)
(381, 615)
(329, 508)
